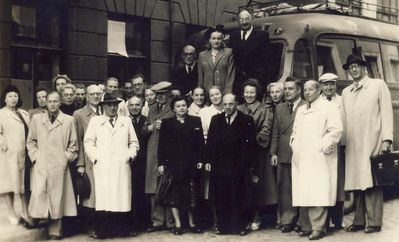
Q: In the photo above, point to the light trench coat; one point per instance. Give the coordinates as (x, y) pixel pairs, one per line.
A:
(316, 133)
(110, 149)
(51, 146)
(12, 150)
(368, 116)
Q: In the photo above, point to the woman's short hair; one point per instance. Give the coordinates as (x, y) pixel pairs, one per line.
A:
(69, 86)
(177, 99)
(252, 82)
(222, 45)
(279, 85)
(8, 89)
(215, 87)
(67, 79)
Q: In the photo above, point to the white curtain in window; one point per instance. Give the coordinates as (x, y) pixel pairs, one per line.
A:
(116, 37)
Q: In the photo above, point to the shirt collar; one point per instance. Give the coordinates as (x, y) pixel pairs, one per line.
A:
(248, 32)
(232, 116)
(252, 107)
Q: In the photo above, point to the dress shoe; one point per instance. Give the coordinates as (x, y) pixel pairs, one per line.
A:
(286, 228)
(217, 231)
(178, 231)
(255, 226)
(97, 236)
(304, 233)
(54, 237)
(196, 230)
(278, 226)
(372, 229)
(245, 232)
(155, 229)
(316, 235)
(297, 228)
(354, 228)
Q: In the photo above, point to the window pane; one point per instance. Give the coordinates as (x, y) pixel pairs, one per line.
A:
(48, 28)
(371, 52)
(392, 52)
(275, 54)
(24, 22)
(22, 66)
(302, 65)
(136, 39)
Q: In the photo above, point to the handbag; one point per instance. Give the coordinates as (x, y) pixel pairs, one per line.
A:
(385, 169)
(164, 183)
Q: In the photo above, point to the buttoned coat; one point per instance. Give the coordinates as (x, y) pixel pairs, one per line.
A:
(316, 133)
(220, 73)
(368, 116)
(111, 149)
(82, 117)
(12, 150)
(282, 130)
(51, 147)
(186, 81)
(151, 174)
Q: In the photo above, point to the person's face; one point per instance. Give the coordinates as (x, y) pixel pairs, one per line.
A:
(138, 86)
(94, 95)
(329, 88)
(310, 91)
(135, 105)
(53, 102)
(180, 108)
(198, 96)
(189, 56)
(68, 96)
(59, 84)
(216, 40)
(229, 104)
(175, 93)
(149, 96)
(357, 71)
(11, 99)
(245, 20)
(276, 94)
(128, 89)
(112, 86)
(110, 109)
(250, 94)
(41, 98)
(215, 96)
(80, 95)
(162, 97)
(291, 91)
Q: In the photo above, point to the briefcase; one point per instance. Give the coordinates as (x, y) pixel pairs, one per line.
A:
(385, 169)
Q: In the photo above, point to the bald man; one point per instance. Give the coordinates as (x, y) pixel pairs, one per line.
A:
(250, 50)
(186, 73)
(230, 143)
(83, 164)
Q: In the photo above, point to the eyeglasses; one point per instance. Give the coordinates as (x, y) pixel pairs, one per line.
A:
(354, 66)
(244, 20)
(189, 54)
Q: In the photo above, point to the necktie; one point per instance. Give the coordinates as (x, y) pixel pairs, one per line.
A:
(228, 120)
(189, 68)
(111, 121)
(52, 118)
(309, 105)
(98, 111)
(329, 99)
(244, 33)
(291, 107)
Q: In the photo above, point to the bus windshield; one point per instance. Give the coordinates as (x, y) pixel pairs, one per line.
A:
(275, 60)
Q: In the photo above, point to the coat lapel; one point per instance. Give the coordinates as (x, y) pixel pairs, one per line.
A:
(219, 56)
(118, 124)
(12, 115)
(208, 58)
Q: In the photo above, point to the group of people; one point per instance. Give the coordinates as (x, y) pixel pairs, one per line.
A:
(218, 134)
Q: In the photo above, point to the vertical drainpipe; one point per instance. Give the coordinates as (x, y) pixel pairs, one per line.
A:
(170, 38)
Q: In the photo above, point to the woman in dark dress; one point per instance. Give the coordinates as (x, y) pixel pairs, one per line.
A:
(181, 144)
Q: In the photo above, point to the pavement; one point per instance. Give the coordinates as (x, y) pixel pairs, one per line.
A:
(389, 233)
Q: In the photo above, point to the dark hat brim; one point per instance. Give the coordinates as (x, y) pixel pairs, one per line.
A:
(361, 62)
(110, 101)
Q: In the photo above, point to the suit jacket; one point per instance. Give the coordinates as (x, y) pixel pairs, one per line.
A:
(250, 56)
(282, 130)
(82, 117)
(231, 147)
(138, 166)
(220, 73)
(186, 81)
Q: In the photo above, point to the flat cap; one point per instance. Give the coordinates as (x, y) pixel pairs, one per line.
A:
(328, 77)
(161, 87)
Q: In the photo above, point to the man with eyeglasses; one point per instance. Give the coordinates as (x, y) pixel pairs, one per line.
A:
(368, 119)
(68, 95)
(186, 73)
(250, 50)
(83, 164)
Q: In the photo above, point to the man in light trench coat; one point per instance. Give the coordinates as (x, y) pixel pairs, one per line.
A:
(111, 144)
(368, 121)
(315, 135)
(52, 145)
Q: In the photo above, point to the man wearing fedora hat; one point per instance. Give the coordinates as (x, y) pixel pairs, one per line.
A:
(368, 119)
(111, 144)
(159, 215)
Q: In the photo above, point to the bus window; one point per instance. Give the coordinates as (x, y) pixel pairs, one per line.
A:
(332, 53)
(276, 57)
(302, 67)
(371, 52)
(391, 53)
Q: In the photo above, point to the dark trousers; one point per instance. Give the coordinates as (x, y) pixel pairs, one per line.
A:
(288, 213)
(336, 214)
(141, 205)
(231, 215)
(112, 224)
(87, 217)
(369, 202)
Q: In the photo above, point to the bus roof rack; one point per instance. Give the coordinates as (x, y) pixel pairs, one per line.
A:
(356, 8)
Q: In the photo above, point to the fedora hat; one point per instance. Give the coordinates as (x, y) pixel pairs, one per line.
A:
(354, 59)
(109, 98)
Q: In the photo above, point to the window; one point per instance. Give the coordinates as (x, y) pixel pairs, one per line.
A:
(391, 53)
(275, 66)
(128, 47)
(386, 10)
(302, 67)
(371, 53)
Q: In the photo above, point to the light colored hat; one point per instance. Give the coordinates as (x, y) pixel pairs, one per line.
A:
(161, 87)
(328, 77)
